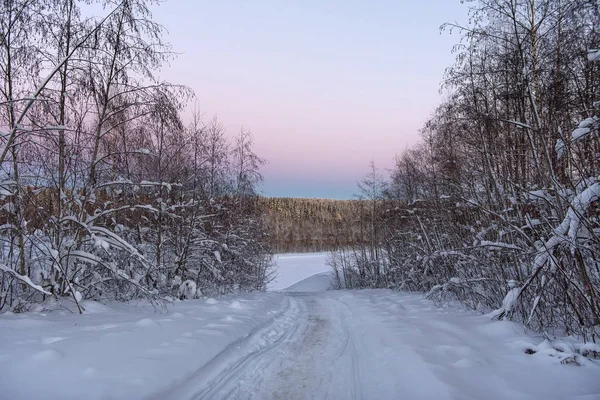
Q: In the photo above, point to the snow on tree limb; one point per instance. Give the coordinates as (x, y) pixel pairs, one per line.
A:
(33, 98)
(593, 55)
(23, 278)
(584, 128)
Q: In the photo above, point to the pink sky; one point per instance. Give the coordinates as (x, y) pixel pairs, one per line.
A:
(325, 86)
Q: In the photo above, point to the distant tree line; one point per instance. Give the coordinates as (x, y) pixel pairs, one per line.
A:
(503, 188)
(303, 225)
(106, 192)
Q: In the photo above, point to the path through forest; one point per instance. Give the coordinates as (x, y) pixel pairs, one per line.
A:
(380, 344)
(300, 343)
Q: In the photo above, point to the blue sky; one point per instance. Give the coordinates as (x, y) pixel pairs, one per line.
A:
(324, 86)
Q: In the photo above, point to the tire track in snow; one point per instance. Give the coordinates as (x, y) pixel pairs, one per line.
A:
(224, 367)
(266, 343)
(318, 363)
(308, 353)
(350, 346)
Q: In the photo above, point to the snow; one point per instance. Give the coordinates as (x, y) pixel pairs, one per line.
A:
(559, 148)
(23, 278)
(146, 323)
(540, 195)
(584, 128)
(520, 125)
(293, 268)
(236, 305)
(188, 290)
(380, 344)
(593, 55)
(316, 283)
(509, 302)
(304, 342)
(499, 245)
(121, 351)
(47, 355)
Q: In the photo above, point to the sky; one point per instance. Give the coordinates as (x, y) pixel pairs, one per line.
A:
(325, 86)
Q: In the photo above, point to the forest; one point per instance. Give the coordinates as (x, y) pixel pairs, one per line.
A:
(509, 169)
(110, 188)
(305, 225)
(114, 186)
(144, 253)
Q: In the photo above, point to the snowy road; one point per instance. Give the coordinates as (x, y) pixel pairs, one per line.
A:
(306, 343)
(383, 345)
(308, 354)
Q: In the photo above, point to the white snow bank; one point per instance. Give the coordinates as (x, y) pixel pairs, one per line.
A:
(406, 342)
(293, 268)
(316, 283)
(121, 351)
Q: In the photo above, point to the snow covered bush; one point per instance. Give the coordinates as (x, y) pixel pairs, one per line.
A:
(105, 193)
(499, 205)
(188, 290)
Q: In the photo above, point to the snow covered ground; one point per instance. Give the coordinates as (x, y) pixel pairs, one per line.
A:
(295, 267)
(122, 351)
(372, 344)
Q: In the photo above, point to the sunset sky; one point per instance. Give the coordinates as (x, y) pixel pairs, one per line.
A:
(324, 86)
